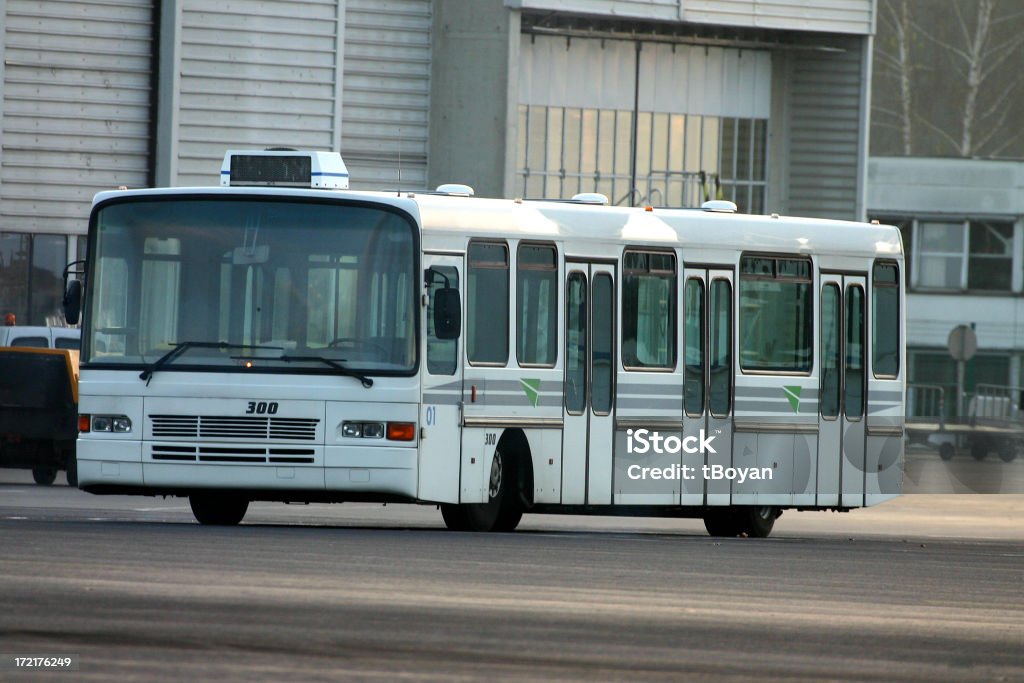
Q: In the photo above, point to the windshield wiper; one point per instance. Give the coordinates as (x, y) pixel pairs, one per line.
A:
(342, 370)
(182, 347)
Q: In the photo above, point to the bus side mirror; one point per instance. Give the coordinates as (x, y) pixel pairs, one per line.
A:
(73, 301)
(447, 313)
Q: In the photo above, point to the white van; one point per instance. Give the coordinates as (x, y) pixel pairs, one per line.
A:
(41, 337)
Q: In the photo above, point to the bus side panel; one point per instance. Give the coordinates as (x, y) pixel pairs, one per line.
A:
(546, 455)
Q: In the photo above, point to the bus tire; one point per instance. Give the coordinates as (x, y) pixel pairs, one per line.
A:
(946, 451)
(44, 476)
(454, 517)
(501, 512)
(218, 509)
(722, 522)
(753, 521)
(759, 520)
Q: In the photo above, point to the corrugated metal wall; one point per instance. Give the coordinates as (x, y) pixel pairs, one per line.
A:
(825, 131)
(687, 79)
(76, 108)
(386, 92)
(253, 74)
(834, 16)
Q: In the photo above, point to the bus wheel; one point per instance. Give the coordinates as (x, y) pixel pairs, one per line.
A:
(44, 476)
(501, 512)
(759, 520)
(454, 517)
(753, 522)
(722, 522)
(218, 509)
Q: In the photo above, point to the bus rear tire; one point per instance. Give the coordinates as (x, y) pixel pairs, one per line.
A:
(753, 521)
(218, 509)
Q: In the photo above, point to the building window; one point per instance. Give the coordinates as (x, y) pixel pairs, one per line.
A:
(31, 277)
(678, 159)
(964, 255)
(990, 256)
(940, 255)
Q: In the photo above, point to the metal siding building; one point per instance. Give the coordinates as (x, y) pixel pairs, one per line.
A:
(764, 101)
(777, 90)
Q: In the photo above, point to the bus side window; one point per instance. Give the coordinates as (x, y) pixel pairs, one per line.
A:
(649, 310)
(885, 320)
(442, 354)
(487, 303)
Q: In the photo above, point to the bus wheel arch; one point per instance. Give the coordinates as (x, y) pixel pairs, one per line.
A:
(510, 490)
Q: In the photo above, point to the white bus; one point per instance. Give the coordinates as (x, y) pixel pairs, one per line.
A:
(279, 338)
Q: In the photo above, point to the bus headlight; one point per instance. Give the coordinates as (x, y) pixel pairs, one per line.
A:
(119, 424)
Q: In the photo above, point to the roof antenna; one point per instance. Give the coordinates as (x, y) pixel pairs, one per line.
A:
(399, 162)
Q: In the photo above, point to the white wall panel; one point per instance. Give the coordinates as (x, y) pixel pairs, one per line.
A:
(386, 94)
(688, 79)
(76, 108)
(253, 74)
(834, 16)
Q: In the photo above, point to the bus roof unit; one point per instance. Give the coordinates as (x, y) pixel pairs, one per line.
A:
(284, 168)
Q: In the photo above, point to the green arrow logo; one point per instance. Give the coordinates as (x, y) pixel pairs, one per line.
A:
(532, 389)
(793, 395)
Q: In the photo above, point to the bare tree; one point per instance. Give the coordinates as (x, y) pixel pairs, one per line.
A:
(895, 57)
(978, 57)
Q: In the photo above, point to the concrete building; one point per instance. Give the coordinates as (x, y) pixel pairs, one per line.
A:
(963, 230)
(648, 101)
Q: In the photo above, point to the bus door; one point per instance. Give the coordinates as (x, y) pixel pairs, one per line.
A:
(841, 402)
(441, 373)
(707, 384)
(588, 413)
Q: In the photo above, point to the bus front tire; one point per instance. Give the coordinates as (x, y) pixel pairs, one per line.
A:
(218, 509)
(501, 512)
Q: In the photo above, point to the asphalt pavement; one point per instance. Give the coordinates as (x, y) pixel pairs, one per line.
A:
(924, 588)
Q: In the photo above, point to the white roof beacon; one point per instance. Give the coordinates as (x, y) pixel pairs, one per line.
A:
(284, 168)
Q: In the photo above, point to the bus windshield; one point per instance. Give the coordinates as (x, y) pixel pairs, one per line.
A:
(261, 284)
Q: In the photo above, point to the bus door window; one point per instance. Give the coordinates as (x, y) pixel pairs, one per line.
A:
(576, 343)
(603, 340)
(831, 350)
(720, 342)
(853, 399)
(695, 353)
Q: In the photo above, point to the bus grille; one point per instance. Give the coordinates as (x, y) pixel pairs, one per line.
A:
(222, 427)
